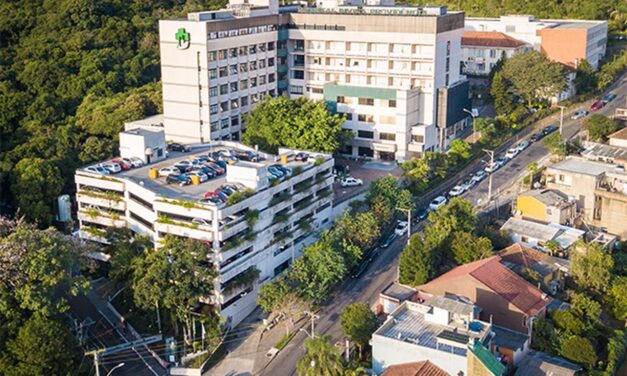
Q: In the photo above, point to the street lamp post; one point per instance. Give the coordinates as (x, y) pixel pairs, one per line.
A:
(561, 119)
(491, 154)
(314, 317)
(114, 368)
(474, 133)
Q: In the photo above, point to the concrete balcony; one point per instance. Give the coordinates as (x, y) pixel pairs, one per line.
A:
(98, 199)
(99, 181)
(227, 232)
(188, 230)
(102, 218)
(185, 208)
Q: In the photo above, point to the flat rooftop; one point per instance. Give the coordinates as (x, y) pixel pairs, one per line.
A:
(196, 192)
(582, 166)
(408, 324)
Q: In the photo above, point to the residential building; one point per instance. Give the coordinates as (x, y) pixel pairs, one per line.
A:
(505, 298)
(509, 346)
(546, 205)
(539, 363)
(537, 234)
(564, 41)
(392, 71)
(618, 138)
(394, 295)
(442, 330)
(481, 50)
(147, 145)
(422, 368)
(547, 270)
(245, 252)
(600, 190)
(612, 154)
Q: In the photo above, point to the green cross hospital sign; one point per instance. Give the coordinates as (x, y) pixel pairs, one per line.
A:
(182, 38)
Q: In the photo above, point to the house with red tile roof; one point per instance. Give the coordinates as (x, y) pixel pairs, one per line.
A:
(423, 368)
(506, 298)
(481, 50)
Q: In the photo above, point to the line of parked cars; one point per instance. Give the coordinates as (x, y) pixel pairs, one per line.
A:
(599, 104)
(221, 195)
(115, 165)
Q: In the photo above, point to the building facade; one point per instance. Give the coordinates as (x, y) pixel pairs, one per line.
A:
(286, 214)
(564, 41)
(482, 50)
(392, 71)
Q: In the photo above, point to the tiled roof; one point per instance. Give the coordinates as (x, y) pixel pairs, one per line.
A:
(502, 281)
(547, 196)
(539, 363)
(520, 255)
(489, 39)
(423, 368)
(620, 134)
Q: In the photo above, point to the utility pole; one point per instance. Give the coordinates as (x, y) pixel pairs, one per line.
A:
(96, 354)
(408, 222)
(491, 154)
(314, 317)
(348, 351)
(561, 119)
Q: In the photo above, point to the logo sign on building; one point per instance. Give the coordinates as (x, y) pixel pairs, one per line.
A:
(182, 39)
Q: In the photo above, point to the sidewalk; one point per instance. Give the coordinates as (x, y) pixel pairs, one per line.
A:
(269, 339)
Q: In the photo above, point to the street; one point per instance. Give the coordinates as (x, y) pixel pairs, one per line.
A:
(384, 269)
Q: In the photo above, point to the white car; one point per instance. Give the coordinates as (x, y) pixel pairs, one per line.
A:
(491, 167)
(185, 162)
(457, 190)
(469, 184)
(167, 171)
(401, 228)
(350, 182)
(479, 176)
(97, 170)
(203, 177)
(437, 203)
(522, 145)
(113, 168)
(579, 114)
(134, 161)
(512, 153)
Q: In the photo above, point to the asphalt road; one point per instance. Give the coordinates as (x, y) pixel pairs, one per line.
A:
(383, 270)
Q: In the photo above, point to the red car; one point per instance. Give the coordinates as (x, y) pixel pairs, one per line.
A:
(123, 164)
(214, 195)
(597, 105)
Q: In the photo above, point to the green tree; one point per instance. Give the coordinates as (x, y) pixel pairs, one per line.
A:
(544, 337)
(358, 323)
(321, 358)
(501, 95)
(555, 144)
(599, 127)
(176, 276)
(416, 262)
(579, 350)
(36, 185)
(278, 297)
(96, 149)
(616, 297)
(438, 164)
(416, 174)
(43, 346)
(569, 322)
(467, 247)
(125, 250)
(533, 76)
(361, 229)
(459, 150)
(296, 123)
(590, 266)
(585, 77)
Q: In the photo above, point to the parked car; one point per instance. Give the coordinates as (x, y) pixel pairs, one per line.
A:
(388, 240)
(166, 171)
(537, 137)
(401, 228)
(479, 176)
(212, 200)
(579, 114)
(124, 165)
(276, 172)
(97, 170)
(226, 189)
(285, 170)
(512, 153)
(175, 146)
(437, 203)
(469, 184)
(180, 179)
(232, 187)
(550, 129)
(301, 157)
(113, 168)
(206, 170)
(183, 168)
(201, 175)
(351, 182)
(203, 158)
(597, 105)
(492, 167)
(608, 98)
(215, 195)
(501, 160)
(134, 161)
(216, 167)
(246, 156)
(522, 145)
(422, 214)
(457, 190)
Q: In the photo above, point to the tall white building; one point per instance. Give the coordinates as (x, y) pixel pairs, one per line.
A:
(393, 71)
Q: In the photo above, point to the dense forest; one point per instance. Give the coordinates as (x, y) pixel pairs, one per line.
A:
(72, 71)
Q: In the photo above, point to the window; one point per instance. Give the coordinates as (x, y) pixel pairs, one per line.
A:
(234, 103)
(243, 51)
(213, 109)
(243, 84)
(364, 151)
(270, 46)
(561, 177)
(271, 62)
(222, 54)
(299, 74)
(365, 134)
(212, 55)
(233, 87)
(213, 91)
(223, 72)
(244, 101)
(252, 50)
(418, 138)
(224, 89)
(391, 103)
(214, 126)
(262, 64)
(233, 69)
(254, 98)
(243, 67)
(492, 53)
(261, 47)
(448, 63)
(234, 121)
(446, 79)
(341, 99)
(366, 101)
(252, 65)
(448, 47)
(253, 82)
(232, 52)
(224, 106)
(272, 93)
(213, 73)
(224, 123)
(349, 116)
(524, 322)
(296, 89)
(510, 28)
(365, 118)
(387, 136)
(271, 77)
(316, 90)
(262, 80)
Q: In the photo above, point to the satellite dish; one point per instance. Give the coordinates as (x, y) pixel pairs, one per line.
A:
(148, 151)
